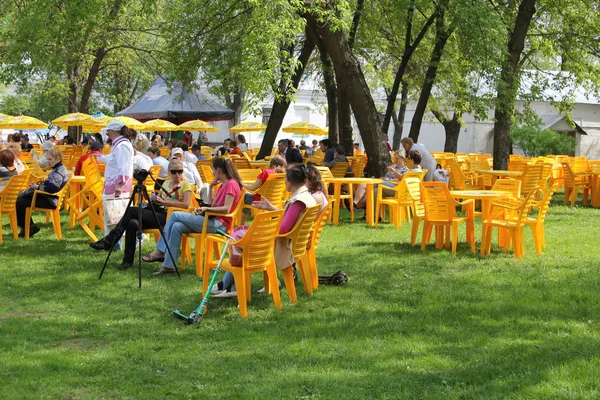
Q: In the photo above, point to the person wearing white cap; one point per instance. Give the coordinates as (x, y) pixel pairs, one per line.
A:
(118, 175)
(42, 161)
(190, 172)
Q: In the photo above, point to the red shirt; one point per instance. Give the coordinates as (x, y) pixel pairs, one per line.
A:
(82, 160)
(232, 188)
(263, 178)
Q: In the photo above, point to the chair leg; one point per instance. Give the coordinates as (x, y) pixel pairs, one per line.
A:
(288, 279)
(303, 266)
(12, 217)
(414, 231)
(240, 287)
(272, 275)
(426, 229)
(27, 221)
(56, 223)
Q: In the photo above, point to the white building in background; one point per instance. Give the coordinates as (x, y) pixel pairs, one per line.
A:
(475, 136)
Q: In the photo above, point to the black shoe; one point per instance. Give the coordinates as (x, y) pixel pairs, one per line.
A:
(124, 266)
(33, 229)
(100, 245)
(22, 233)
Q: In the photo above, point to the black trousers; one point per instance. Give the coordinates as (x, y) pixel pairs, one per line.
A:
(25, 201)
(129, 226)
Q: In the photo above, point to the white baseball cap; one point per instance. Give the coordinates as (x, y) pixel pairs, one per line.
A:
(114, 125)
(177, 150)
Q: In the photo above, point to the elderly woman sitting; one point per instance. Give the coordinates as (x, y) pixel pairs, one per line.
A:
(57, 178)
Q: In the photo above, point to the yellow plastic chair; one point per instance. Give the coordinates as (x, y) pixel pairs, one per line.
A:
(10, 193)
(440, 211)
(313, 243)
(200, 238)
(398, 205)
(248, 174)
(241, 163)
(413, 185)
(257, 256)
(53, 213)
(537, 224)
(514, 225)
(508, 185)
(530, 180)
(206, 173)
(299, 236)
(459, 180)
(340, 169)
(573, 184)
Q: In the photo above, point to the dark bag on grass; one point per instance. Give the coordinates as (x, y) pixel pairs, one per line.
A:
(338, 279)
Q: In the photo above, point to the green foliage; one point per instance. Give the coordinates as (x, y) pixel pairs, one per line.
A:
(43, 99)
(535, 141)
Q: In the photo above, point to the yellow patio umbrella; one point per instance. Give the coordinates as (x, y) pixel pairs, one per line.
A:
(95, 124)
(248, 126)
(305, 128)
(131, 122)
(3, 116)
(72, 119)
(198, 125)
(160, 125)
(22, 122)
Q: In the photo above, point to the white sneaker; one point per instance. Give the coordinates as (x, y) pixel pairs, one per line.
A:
(215, 290)
(225, 294)
(263, 288)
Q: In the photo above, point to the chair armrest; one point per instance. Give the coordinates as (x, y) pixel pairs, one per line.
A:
(36, 192)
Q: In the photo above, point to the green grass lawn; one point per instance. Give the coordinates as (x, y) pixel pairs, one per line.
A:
(407, 325)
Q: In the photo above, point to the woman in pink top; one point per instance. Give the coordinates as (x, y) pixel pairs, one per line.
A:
(300, 200)
(226, 199)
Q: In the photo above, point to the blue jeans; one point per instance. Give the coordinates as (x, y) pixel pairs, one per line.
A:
(178, 224)
(228, 282)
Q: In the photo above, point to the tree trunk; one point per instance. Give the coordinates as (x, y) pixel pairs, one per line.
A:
(352, 81)
(409, 49)
(344, 109)
(330, 85)
(399, 120)
(282, 103)
(452, 128)
(91, 79)
(442, 35)
(345, 118)
(509, 84)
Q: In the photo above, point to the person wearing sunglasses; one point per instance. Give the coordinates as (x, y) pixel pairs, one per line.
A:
(177, 193)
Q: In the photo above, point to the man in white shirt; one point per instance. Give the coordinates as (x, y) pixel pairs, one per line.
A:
(141, 161)
(187, 155)
(427, 160)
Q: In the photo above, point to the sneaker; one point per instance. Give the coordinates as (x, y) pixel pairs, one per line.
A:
(33, 230)
(215, 290)
(263, 288)
(225, 294)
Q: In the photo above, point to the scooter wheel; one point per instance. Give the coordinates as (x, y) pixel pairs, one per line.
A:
(195, 318)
